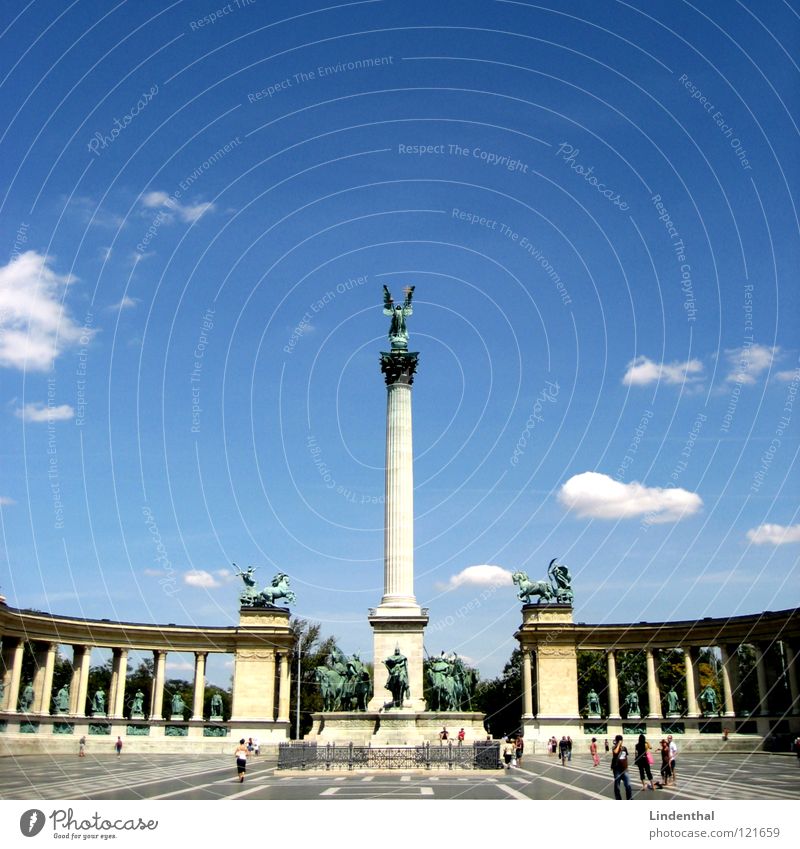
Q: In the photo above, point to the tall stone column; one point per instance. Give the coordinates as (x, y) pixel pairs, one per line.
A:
(690, 674)
(75, 678)
(284, 687)
(269, 672)
(729, 676)
(199, 684)
(43, 689)
(613, 685)
(398, 623)
(761, 675)
(12, 659)
(83, 686)
(119, 671)
(791, 672)
(653, 694)
(157, 694)
(527, 685)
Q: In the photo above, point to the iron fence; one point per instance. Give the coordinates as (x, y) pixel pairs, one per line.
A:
(309, 755)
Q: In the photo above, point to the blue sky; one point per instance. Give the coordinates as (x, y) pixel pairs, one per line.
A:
(597, 206)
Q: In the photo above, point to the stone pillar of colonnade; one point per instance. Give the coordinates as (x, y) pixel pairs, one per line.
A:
(761, 676)
(729, 673)
(83, 686)
(199, 684)
(157, 692)
(527, 685)
(43, 679)
(653, 693)
(119, 671)
(79, 682)
(12, 672)
(613, 685)
(690, 674)
(791, 672)
(284, 687)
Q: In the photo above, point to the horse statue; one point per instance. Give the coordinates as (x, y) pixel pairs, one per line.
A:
(344, 683)
(329, 681)
(527, 588)
(278, 589)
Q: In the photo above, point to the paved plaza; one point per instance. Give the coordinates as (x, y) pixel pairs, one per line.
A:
(540, 777)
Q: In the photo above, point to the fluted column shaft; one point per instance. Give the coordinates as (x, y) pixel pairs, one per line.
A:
(761, 676)
(83, 684)
(119, 671)
(728, 660)
(527, 684)
(44, 694)
(269, 671)
(159, 674)
(690, 674)
(653, 694)
(284, 685)
(13, 659)
(199, 684)
(398, 574)
(613, 685)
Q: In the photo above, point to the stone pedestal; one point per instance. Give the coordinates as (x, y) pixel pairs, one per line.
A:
(264, 632)
(403, 629)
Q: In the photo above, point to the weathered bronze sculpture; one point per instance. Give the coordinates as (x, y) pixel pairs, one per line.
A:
(26, 699)
(708, 700)
(452, 684)
(137, 705)
(99, 703)
(632, 704)
(344, 682)
(593, 703)
(397, 682)
(62, 700)
(398, 332)
(178, 706)
(251, 597)
(673, 704)
(216, 706)
(559, 589)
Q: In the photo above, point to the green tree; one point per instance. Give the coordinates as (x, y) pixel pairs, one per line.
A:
(314, 650)
(501, 698)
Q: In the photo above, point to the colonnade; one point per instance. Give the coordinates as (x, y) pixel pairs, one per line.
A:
(551, 643)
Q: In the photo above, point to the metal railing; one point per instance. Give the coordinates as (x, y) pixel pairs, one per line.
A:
(310, 755)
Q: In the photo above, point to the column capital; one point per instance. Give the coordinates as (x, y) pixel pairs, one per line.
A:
(399, 366)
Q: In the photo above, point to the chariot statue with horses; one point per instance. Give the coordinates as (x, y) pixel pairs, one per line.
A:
(558, 588)
(253, 597)
(452, 683)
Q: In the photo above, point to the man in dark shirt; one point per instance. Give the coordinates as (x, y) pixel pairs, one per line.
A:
(619, 765)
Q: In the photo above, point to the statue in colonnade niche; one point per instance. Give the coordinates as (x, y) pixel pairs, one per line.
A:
(216, 706)
(99, 703)
(26, 699)
(708, 701)
(632, 704)
(673, 704)
(137, 705)
(178, 706)
(62, 700)
(593, 703)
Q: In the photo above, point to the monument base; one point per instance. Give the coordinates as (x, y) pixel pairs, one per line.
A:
(398, 628)
(396, 727)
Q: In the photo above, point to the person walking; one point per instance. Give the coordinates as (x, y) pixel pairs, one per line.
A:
(606, 746)
(509, 749)
(569, 749)
(520, 748)
(461, 737)
(619, 766)
(241, 759)
(666, 771)
(673, 757)
(562, 750)
(82, 747)
(593, 751)
(118, 746)
(643, 758)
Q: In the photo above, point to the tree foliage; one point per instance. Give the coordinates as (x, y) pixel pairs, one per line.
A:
(501, 698)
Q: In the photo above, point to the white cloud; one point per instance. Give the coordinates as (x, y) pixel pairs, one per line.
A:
(125, 304)
(480, 576)
(180, 665)
(186, 212)
(200, 578)
(39, 412)
(35, 326)
(598, 496)
(774, 534)
(5, 501)
(643, 371)
(787, 376)
(749, 362)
